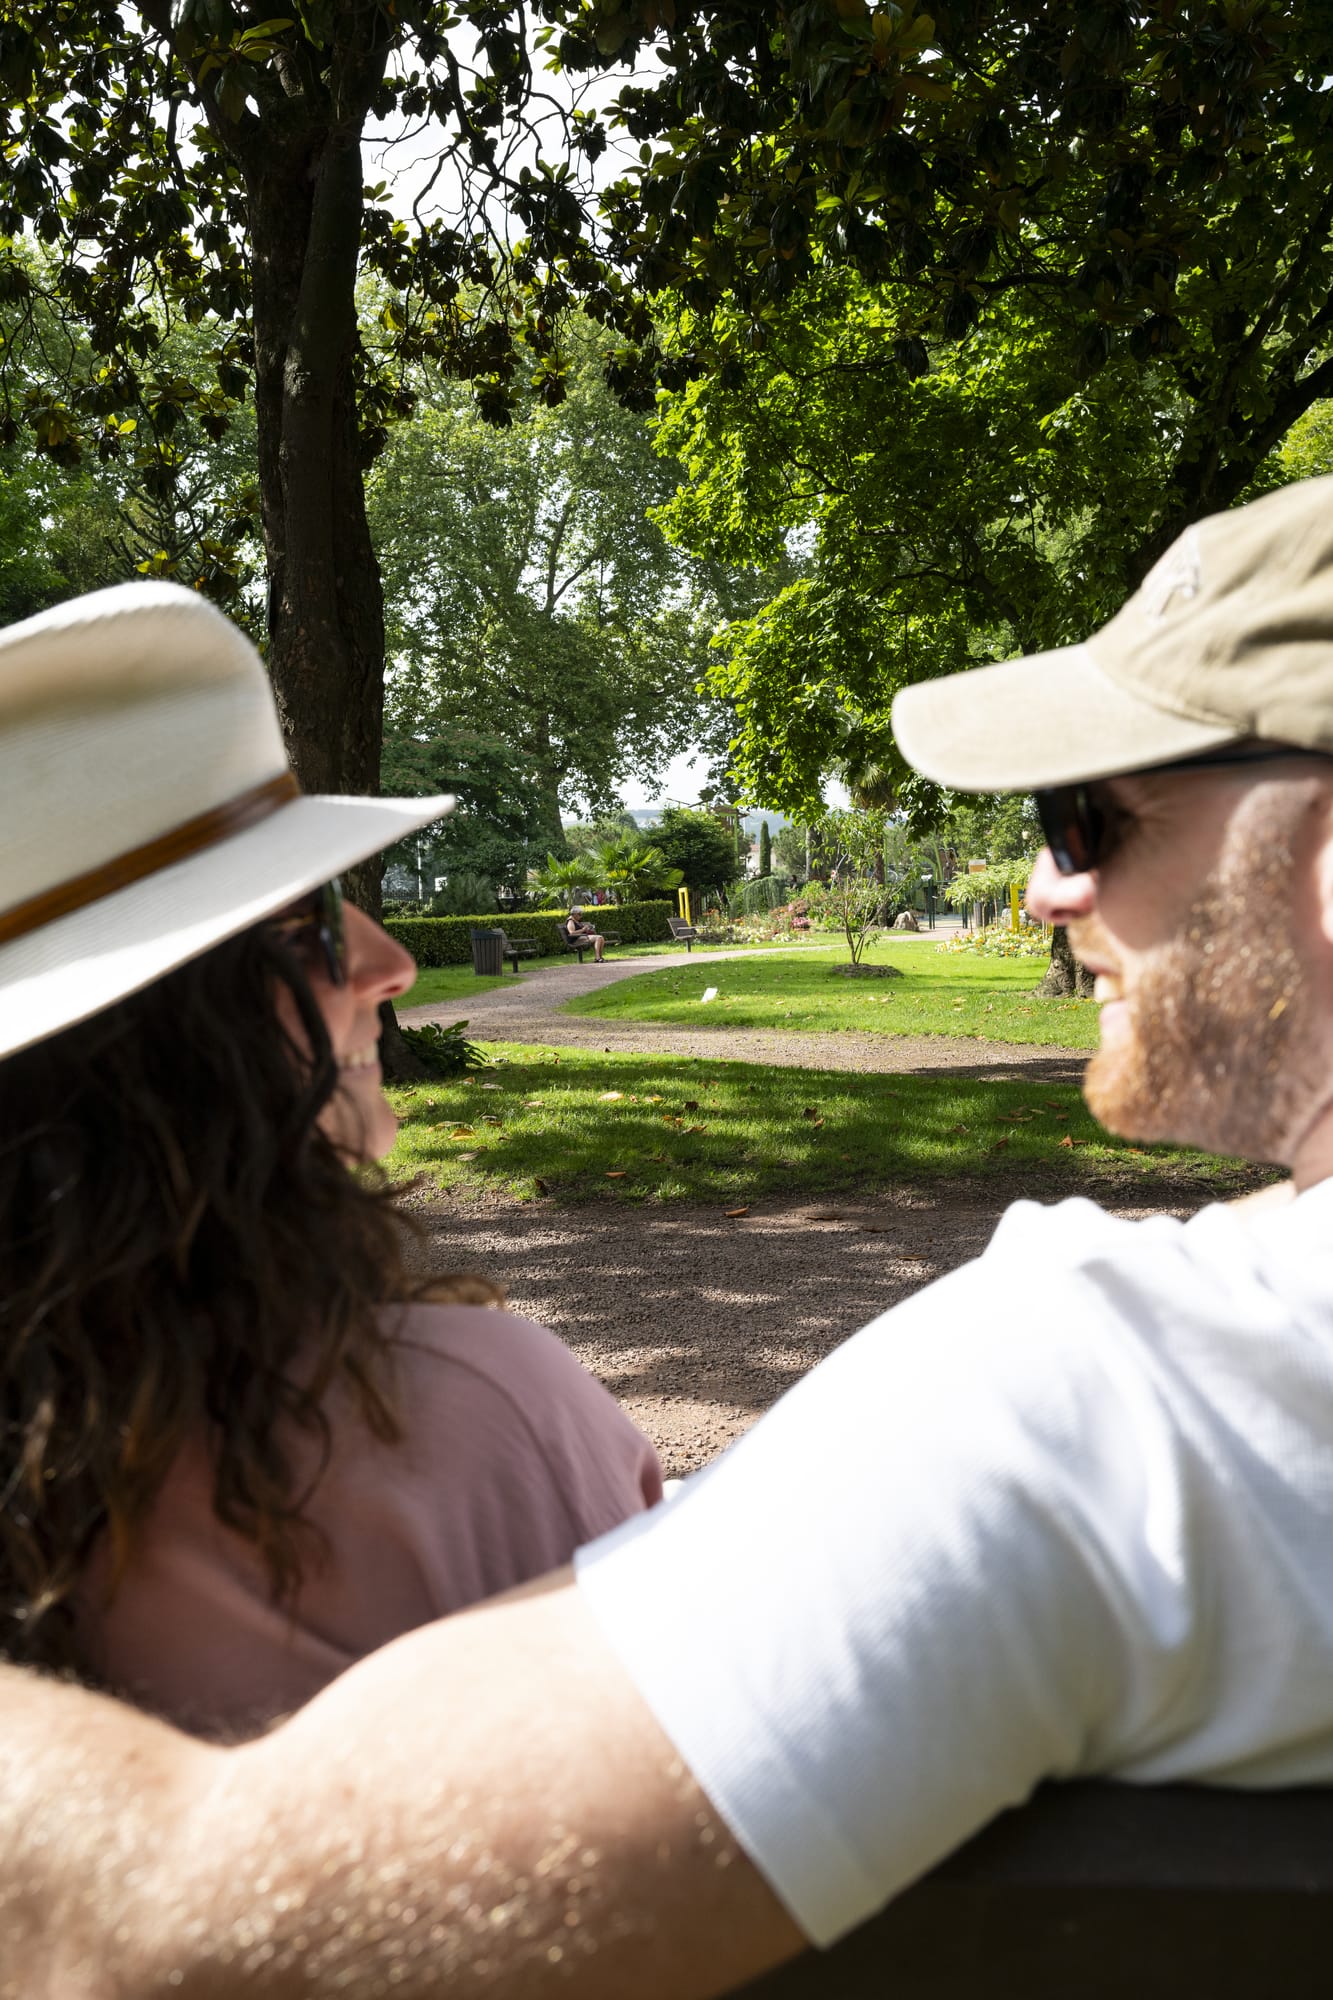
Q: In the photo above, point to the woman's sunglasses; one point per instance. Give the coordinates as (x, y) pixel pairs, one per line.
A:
(1083, 824)
(313, 928)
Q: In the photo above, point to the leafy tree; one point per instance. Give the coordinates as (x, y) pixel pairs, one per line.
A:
(854, 840)
(790, 850)
(1307, 449)
(996, 828)
(526, 584)
(206, 161)
(491, 831)
(994, 504)
(702, 849)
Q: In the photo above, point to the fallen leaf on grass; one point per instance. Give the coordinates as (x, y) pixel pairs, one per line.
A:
(691, 1104)
(811, 1111)
(616, 1174)
(540, 1184)
(609, 1096)
(465, 1156)
(695, 1128)
(1066, 1141)
(1000, 1144)
(739, 1211)
(459, 1132)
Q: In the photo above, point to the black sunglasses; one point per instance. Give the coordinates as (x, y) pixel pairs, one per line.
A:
(313, 928)
(1082, 823)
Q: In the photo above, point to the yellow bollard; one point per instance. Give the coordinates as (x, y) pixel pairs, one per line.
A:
(683, 904)
(1014, 918)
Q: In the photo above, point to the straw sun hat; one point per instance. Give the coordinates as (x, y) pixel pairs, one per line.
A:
(147, 811)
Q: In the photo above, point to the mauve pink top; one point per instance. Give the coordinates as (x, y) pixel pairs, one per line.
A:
(511, 1456)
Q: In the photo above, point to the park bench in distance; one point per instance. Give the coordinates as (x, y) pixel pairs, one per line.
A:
(683, 933)
(516, 948)
(1105, 1892)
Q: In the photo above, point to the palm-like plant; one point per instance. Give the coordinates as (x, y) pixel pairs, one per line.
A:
(566, 881)
(632, 867)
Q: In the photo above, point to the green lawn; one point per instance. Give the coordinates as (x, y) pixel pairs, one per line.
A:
(940, 993)
(449, 982)
(453, 982)
(584, 1127)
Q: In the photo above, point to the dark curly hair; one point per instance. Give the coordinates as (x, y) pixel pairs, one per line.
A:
(181, 1247)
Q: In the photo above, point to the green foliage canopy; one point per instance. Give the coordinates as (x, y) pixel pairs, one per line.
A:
(699, 846)
(525, 584)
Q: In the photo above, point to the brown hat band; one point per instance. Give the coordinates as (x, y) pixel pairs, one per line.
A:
(209, 828)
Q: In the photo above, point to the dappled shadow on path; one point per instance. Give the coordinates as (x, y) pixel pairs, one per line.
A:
(698, 1323)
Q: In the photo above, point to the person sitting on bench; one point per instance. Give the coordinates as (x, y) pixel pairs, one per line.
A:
(994, 1538)
(256, 1445)
(580, 933)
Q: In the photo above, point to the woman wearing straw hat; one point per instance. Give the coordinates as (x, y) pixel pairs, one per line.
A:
(239, 1446)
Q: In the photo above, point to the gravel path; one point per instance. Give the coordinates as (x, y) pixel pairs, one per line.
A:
(698, 1323)
(695, 1321)
(527, 1009)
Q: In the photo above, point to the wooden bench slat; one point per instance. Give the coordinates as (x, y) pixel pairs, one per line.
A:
(1105, 1892)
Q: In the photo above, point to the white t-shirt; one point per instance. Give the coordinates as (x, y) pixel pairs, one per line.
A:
(1067, 1511)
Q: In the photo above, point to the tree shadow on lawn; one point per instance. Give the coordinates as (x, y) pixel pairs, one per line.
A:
(653, 1130)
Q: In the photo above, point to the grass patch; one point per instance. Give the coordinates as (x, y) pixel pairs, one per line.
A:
(630, 1128)
(940, 993)
(436, 984)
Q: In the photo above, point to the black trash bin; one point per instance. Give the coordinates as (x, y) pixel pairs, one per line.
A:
(486, 950)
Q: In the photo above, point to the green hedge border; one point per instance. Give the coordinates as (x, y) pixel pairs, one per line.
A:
(448, 940)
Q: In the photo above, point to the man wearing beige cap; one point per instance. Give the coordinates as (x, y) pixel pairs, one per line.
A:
(984, 1544)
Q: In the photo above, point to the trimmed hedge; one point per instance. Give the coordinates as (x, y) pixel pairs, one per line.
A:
(448, 940)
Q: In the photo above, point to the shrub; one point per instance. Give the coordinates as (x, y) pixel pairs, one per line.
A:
(444, 1051)
(448, 940)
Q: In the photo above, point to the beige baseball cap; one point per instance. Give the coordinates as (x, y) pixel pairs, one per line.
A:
(1229, 637)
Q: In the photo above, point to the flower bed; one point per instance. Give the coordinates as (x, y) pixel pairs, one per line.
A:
(1000, 941)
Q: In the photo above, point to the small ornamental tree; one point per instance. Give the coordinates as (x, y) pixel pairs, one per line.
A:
(765, 849)
(854, 842)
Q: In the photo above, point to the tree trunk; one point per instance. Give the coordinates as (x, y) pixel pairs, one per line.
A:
(325, 610)
(398, 1060)
(1065, 979)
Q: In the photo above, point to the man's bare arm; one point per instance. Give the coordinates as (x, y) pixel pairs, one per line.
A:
(486, 1807)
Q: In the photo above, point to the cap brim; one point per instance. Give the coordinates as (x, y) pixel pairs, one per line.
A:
(71, 969)
(1049, 719)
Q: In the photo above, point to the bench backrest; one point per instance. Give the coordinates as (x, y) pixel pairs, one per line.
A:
(1105, 1892)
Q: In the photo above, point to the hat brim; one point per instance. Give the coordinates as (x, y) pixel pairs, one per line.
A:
(73, 968)
(1049, 719)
